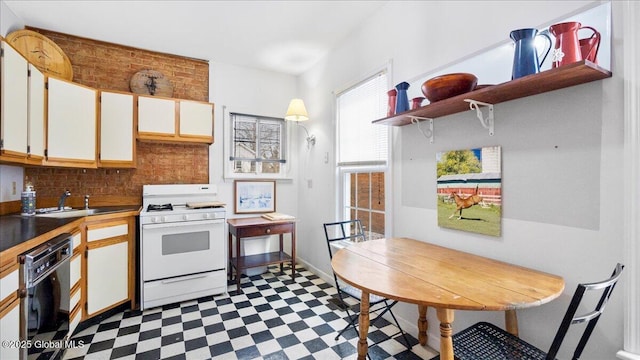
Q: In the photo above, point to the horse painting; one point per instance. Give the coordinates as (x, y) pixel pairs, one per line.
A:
(464, 203)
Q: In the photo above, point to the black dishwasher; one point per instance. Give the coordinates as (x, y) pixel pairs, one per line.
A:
(44, 303)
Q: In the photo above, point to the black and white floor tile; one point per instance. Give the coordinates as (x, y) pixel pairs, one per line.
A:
(274, 318)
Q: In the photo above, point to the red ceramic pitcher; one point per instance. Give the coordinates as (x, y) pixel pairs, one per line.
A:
(589, 46)
(391, 109)
(567, 48)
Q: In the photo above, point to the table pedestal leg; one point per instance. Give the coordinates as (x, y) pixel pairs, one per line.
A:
(364, 326)
(446, 330)
(422, 324)
(511, 322)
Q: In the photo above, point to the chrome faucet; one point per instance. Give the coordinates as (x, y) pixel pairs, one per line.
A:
(62, 199)
(86, 201)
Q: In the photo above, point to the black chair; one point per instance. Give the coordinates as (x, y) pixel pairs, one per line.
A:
(484, 341)
(340, 234)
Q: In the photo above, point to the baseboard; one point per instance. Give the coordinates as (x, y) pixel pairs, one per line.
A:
(625, 355)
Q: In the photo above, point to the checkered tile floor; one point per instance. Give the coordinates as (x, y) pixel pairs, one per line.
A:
(275, 318)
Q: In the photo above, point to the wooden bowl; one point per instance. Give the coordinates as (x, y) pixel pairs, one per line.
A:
(449, 85)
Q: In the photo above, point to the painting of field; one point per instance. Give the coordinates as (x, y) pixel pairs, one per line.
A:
(469, 190)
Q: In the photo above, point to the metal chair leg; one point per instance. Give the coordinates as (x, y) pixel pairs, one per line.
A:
(404, 336)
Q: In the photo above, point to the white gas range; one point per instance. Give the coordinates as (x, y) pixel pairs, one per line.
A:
(182, 244)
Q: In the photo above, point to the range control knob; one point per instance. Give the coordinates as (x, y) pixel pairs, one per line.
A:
(185, 217)
(164, 218)
(207, 216)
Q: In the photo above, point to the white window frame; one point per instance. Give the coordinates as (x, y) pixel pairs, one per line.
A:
(228, 164)
(344, 170)
(344, 212)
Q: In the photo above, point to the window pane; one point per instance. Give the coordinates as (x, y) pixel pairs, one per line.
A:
(270, 168)
(377, 191)
(377, 225)
(363, 190)
(244, 139)
(257, 144)
(270, 141)
(244, 166)
(352, 189)
(358, 139)
(364, 219)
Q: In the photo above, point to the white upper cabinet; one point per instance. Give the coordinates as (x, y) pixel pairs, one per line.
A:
(117, 135)
(156, 117)
(174, 120)
(22, 109)
(36, 115)
(196, 119)
(71, 124)
(13, 109)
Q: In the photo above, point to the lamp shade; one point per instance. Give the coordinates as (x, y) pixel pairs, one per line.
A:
(296, 111)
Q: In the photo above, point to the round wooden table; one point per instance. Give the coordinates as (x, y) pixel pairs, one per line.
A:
(420, 273)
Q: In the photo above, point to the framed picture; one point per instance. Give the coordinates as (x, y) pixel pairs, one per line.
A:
(254, 196)
(469, 190)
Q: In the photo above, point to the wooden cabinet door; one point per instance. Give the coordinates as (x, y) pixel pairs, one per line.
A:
(117, 136)
(196, 121)
(71, 124)
(108, 268)
(10, 330)
(107, 277)
(156, 118)
(13, 106)
(36, 138)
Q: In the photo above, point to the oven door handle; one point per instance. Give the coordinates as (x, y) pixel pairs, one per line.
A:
(183, 223)
(184, 278)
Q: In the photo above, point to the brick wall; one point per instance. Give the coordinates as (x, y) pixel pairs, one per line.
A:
(109, 66)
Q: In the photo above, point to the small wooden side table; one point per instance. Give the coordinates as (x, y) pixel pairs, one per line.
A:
(259, 226)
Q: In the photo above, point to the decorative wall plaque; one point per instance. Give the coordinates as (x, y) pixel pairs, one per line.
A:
(151, 82)
(42, 52)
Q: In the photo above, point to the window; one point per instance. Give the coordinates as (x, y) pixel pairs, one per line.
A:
(363, 153)
(365, 200)
(257, 146)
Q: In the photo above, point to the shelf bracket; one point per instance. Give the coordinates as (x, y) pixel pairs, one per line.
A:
(428, 133)
(486, 123)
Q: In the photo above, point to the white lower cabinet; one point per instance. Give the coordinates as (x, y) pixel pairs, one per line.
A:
(75, 270)
(9, 315)
(76, 313)
(10, 331)
(108, 267)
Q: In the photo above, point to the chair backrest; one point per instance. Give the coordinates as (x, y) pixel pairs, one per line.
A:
(570, 317)
(349, 230)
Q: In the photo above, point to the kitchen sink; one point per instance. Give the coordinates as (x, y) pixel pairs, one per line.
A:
(70, 213)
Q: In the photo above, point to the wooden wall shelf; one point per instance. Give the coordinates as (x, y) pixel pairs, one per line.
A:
(549, 80)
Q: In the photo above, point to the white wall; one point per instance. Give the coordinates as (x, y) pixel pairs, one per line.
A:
(255, 92)
(9, 22)
(579, 244)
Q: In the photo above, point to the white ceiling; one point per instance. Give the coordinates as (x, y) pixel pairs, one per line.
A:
(281, 36)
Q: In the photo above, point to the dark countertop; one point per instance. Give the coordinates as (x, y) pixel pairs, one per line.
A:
(16, 229)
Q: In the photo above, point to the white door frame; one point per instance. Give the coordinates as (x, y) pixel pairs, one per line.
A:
(631, 53)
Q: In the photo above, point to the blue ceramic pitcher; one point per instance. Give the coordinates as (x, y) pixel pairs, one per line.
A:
(525, 57)
(402, 101)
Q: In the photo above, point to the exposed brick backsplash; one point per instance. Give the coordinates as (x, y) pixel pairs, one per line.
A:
(163, 164)
(109, 66)
(103, 65)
